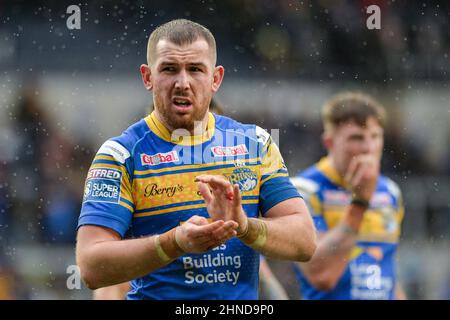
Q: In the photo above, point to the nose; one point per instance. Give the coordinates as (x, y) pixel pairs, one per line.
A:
(369, 145)
(182, 81)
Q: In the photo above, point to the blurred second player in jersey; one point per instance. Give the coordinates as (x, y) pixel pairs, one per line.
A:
(357, 211)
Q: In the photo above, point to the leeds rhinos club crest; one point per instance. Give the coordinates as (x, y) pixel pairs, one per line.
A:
(244, 177)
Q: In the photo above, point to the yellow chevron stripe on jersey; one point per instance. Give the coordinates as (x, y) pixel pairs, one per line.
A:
(181, 208)
(126, 205)
(105, 157)
(272, 160)
(324, 165)
(283, 174)
(356, 252)
(251, 162)
(316, 206)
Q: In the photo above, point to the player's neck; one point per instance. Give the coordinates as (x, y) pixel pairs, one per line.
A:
(199, 126)
(333, 164)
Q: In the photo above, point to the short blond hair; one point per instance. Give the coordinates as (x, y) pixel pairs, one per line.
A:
(180, 32)
(351, 106)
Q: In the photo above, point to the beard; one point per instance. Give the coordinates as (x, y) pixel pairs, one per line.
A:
(180, 121)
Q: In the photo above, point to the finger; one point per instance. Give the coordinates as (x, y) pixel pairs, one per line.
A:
(223, 183)
(237, 200)
(224, 234)
(224, 238)
(373, 163)
(199, 178)
(205, 192)
(198, 220)
(215, 181)
(229, 235)
(218, 234)
(222, 188)
(205, 241)
(206, 230)
(359, 174)
(356, 166)
(231, 224)
(354, 162)
(227, 226)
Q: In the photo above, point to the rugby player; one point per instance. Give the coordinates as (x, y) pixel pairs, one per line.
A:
(184, 201)
(356, 210)
(270, 286)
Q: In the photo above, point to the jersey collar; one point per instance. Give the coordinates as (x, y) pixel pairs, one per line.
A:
(325, 166)
(161, 131)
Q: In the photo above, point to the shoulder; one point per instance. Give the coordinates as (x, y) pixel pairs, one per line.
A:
(391, 186)
(309, 180)
(122, 147)
(250, 131)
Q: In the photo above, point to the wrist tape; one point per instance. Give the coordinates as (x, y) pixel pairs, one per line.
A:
(160, 251)
(262, 236)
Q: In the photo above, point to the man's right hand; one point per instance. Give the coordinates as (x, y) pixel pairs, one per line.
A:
(362, 176)
(197, 235)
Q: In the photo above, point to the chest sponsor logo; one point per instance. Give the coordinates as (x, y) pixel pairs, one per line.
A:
(154, 189)
(370, 282)
(159, 158)
(244, 177)
(336, 197)
(219, 265)
(238, 150)
(103, 185)
(381, 199)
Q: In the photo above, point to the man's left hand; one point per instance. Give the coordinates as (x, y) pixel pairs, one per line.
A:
(223, 200)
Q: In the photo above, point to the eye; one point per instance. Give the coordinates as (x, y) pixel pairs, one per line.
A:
(195, 69)
(168, 69)
(376, 135)
(356, 138)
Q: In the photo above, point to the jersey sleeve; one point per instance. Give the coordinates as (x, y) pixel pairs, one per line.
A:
(310, 191)
(275, 185)
(108, 200)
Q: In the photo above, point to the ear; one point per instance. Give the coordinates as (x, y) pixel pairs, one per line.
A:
(146, 75)
(327, 140)
(219, 72)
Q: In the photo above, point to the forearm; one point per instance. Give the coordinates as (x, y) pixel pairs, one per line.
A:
(334, 248)
(289, 237)
(115, 292)
(107, 263)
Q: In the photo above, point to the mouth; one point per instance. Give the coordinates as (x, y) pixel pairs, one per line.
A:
(182, 103)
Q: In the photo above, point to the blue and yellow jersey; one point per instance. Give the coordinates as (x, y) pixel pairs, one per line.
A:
(370, 273)
(142, 183)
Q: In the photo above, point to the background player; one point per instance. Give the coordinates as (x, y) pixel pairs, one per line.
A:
(357, 211)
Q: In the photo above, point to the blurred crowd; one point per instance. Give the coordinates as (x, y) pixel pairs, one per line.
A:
(41, 183)
(309, 39)
(41, 178)
(329, 40)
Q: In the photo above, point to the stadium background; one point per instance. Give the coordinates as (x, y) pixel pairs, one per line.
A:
(63, 92)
